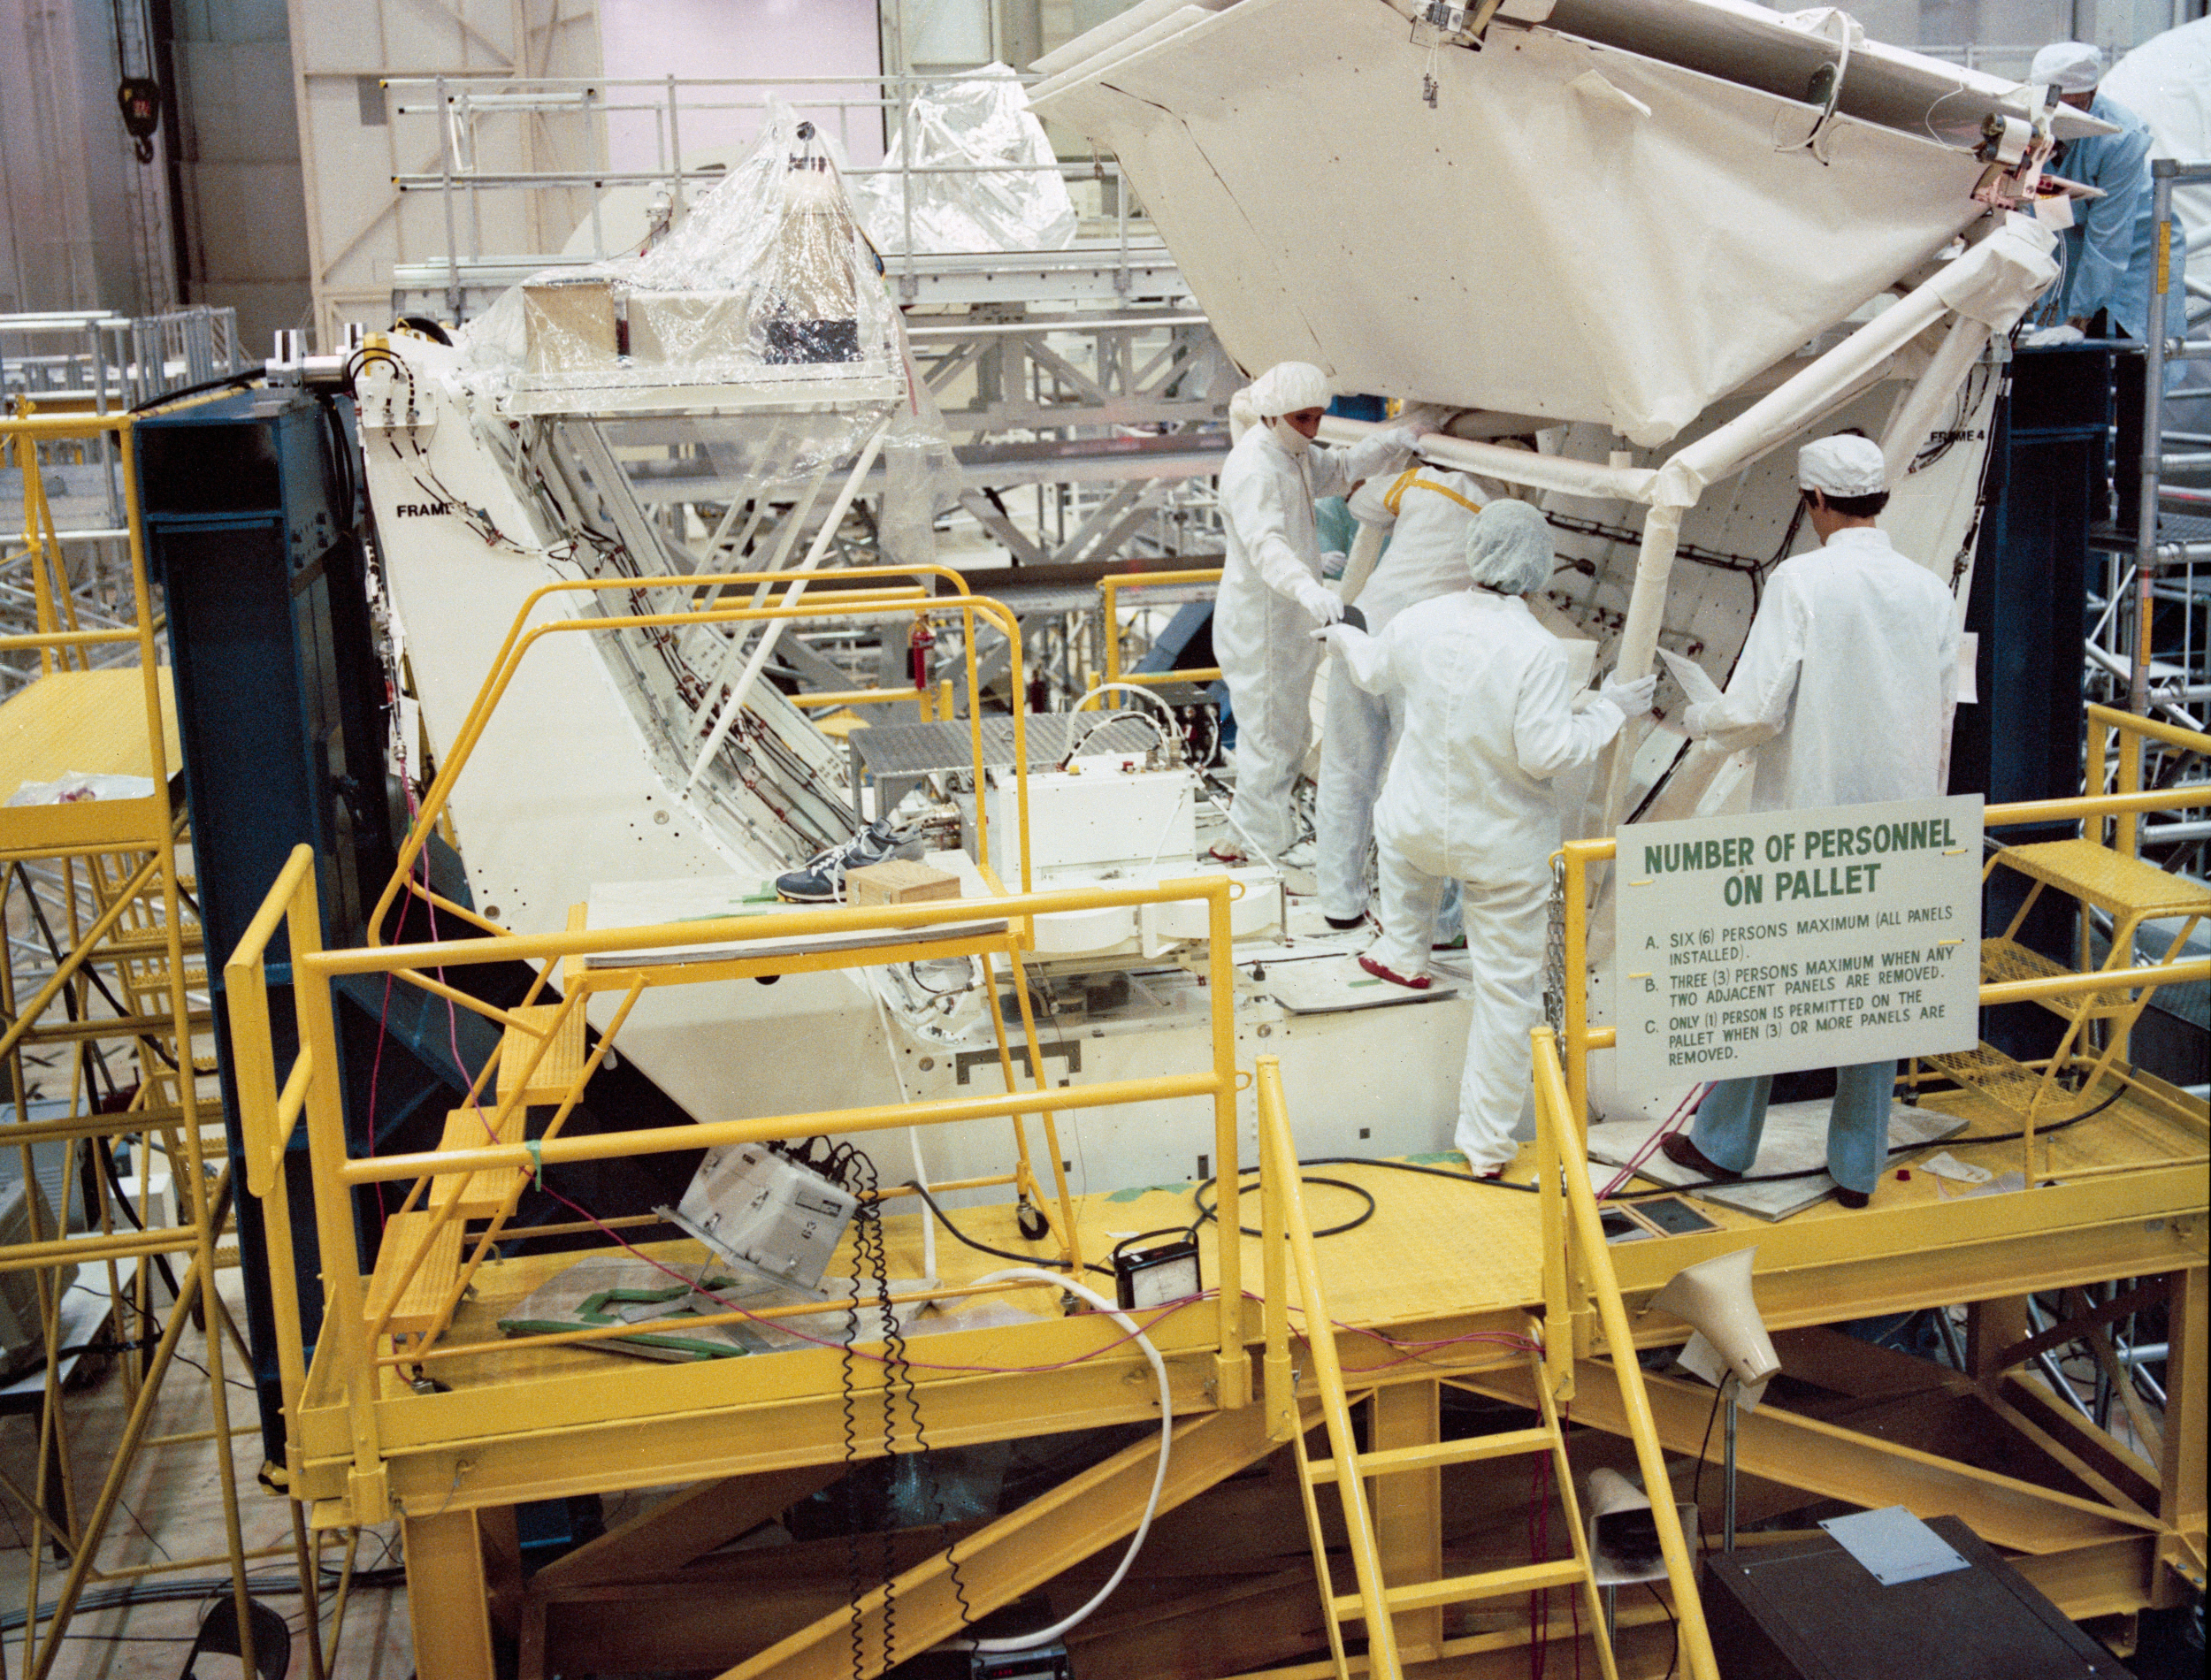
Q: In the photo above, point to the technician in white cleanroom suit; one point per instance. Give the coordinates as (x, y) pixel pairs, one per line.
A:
(1845, 688)
(1270, 594)
(1426, 511)
(1489, 721)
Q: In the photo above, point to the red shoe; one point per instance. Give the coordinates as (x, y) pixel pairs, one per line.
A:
(1230, 856)
(1418, 984)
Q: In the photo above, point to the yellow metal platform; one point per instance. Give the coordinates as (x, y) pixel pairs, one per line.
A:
(93, 723)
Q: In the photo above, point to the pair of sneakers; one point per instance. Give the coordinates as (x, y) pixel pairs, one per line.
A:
(820, 880)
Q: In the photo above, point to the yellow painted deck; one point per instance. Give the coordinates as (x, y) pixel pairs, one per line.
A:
(87, 721)
(1441, 1280)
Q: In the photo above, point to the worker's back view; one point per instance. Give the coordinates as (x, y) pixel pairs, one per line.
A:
(1845, 689)
(1847, 677)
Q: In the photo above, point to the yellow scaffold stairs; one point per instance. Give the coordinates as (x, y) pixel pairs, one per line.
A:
(1396, 1630)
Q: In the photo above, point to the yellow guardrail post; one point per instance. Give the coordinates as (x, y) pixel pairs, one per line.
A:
(1232, 1377)
(1110, 587)
(1587, 1232)
(1281, 1376)
(1574, 1140)
(261, 1111)
(1551, 1124)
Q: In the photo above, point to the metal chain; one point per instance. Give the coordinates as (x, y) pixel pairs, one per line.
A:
(1554, 949)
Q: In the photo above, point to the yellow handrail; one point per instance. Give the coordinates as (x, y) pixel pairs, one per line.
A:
(520, 641)
(1555, 1119)
(1284, 1218)
(1111, 586)
(936, 703)
(311, 1091)
(266, 1119)
(2104, 723)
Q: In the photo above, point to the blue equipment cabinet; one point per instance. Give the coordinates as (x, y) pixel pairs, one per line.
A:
(254, 527)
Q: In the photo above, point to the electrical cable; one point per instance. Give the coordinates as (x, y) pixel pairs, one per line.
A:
(1673, 1621)
(38, 913)
(1207, 1212)
(1696, 1484)
(243, 377)
(980, 1247)
(1895, 1149)
(1030, 1641)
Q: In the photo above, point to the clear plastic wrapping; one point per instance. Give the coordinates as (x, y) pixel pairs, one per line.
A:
(762, 318)
(766, 294)
(1001, 189)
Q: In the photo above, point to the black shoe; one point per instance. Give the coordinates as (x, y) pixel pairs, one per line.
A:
(1852, 1198)
(1677, 1148)
(1345, 924)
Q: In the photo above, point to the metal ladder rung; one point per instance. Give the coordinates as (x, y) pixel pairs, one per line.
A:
(1461, 1589)
(1393, 1461)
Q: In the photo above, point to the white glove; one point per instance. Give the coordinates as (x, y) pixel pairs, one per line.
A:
(1332, 563)
(1634, 698)
(1325, 605)
(2044, 338)
(1404, 438)
(1693, 724)
(1336, 635)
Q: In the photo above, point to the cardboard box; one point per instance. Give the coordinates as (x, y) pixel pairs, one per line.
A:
(899, 882)
(568, 326)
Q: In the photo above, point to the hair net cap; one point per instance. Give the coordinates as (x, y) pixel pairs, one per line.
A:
(2069, 66)
(1508, 547)
(1286, 387)
(1846, 465)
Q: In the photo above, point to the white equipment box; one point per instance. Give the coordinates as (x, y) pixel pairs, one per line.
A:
(1090, 818)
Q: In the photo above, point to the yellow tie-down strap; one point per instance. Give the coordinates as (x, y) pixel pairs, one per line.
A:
(1410, 479)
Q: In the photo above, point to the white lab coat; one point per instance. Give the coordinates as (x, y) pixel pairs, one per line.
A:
(1426, 510)
(1847, 680)
(1262, 633)
(1489, 721)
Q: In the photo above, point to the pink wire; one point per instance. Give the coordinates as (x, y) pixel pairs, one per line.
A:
(1643, 1154)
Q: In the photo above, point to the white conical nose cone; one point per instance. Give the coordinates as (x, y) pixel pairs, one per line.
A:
(1715, 1295)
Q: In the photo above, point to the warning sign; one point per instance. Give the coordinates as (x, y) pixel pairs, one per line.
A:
(1796, 939)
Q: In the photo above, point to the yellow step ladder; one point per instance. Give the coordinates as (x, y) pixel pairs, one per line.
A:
(1569, 1211)
(1376, 1602)
(2096, 877)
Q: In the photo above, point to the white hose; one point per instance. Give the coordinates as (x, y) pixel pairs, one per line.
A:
(1172, 736)
(1057, 1280)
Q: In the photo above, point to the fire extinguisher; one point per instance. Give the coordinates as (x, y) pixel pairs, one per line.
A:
(919, 641)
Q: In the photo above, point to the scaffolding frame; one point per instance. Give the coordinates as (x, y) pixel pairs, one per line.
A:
(97, 704)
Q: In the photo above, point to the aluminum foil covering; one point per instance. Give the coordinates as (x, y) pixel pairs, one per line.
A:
(1006, 194)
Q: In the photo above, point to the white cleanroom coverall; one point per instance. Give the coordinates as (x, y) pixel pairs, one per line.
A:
(1847, 680)
(1489, 721)
(1426, 510)
(1845, 688)
(1271, 598)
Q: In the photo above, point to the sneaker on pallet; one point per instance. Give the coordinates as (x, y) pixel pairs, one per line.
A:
(821, 879)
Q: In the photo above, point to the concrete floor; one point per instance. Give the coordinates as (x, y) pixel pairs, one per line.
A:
(172, 1509)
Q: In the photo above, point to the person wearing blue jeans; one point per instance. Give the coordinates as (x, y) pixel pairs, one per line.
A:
(1734, 1115)
(1843, 695)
